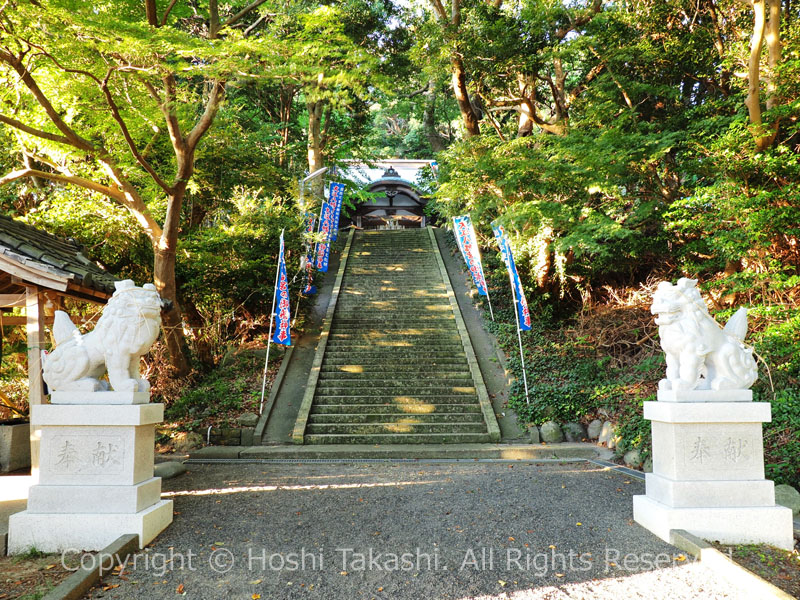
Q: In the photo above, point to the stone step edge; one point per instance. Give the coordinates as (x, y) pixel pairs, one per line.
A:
(389, 415)
(422, 426)
(319, 354)
(396, 438)
(577, 451)
(483, 395)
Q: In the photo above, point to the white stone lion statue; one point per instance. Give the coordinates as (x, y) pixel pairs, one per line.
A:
(129, 325)
(700, 354)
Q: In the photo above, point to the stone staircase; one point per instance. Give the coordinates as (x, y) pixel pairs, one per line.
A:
(395, 367)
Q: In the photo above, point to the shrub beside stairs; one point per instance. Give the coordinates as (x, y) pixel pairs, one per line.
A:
(394, 364)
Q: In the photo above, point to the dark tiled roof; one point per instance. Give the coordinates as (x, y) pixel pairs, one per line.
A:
(48, 253)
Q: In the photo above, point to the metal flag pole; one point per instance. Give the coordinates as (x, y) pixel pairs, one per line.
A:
(519, 334)
(488, 299)
(269, 339)
(480, 262)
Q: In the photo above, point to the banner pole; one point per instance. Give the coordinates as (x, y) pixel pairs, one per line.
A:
(485, 281)
(519, 337)
(489, 300)
(269, 338)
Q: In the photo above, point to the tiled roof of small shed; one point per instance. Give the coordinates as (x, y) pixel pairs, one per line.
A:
(48, 253)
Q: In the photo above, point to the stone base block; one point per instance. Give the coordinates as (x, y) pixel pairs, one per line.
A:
(96, 454)
(728, 525)
(686, 494)
(94, 499)
(113, 416)
(708, 441)
(99, 398)
(57, 532)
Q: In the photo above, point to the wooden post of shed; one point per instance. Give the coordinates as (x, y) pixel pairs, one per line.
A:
(34, 312)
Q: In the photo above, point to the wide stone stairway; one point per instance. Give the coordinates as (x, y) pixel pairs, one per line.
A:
(396, 367)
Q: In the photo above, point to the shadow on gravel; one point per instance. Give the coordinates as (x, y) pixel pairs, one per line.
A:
(407, 530)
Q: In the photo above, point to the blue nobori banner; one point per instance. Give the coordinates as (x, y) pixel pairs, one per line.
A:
(310, 288)
(282, 333)
(523, 313)
(468, 244)
(335, 198)
(325, 227)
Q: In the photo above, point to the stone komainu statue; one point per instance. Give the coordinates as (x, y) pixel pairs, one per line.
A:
(700, 354)
(129, 325)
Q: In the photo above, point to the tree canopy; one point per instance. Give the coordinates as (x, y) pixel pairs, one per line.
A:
(615, 140)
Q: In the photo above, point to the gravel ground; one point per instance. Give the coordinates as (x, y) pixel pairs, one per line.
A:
(435, 530)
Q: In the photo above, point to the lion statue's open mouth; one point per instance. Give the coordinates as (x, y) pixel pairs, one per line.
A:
(128, 327)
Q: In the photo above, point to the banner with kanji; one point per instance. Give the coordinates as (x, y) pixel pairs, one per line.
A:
(335, 198)
(508, 258)
(310, 288)
(282, 333)
(468, 244)
(325, 227)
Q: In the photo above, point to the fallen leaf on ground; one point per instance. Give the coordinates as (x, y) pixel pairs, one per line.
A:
(179, 590)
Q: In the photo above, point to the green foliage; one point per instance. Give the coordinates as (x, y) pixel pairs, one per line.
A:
(231, 262)
(223, 393)
(31, 553)
(781, 442)
(107, 231)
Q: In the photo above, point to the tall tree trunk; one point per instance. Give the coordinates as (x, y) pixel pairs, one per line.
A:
(429, 119)
(525, 122)
(164, 278)
(172, 323)
(753, 100)
(315, 143)
(544, 257)
(471, 126)
(773, 37)
(151, 12)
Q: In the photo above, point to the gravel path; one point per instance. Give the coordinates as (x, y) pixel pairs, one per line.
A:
(435, 530)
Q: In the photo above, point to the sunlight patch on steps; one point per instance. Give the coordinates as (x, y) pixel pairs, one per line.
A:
(413, 405)
(399, 427)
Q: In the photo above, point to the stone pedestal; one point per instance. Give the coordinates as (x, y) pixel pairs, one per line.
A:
(96, 478)
(708, 470)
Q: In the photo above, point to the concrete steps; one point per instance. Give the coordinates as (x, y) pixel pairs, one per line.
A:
(395, 369)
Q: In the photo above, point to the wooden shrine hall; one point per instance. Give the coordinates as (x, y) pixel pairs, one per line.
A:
(398, 204)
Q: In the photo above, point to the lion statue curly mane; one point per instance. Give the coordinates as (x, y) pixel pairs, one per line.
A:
(129, 325)
(700, 354)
